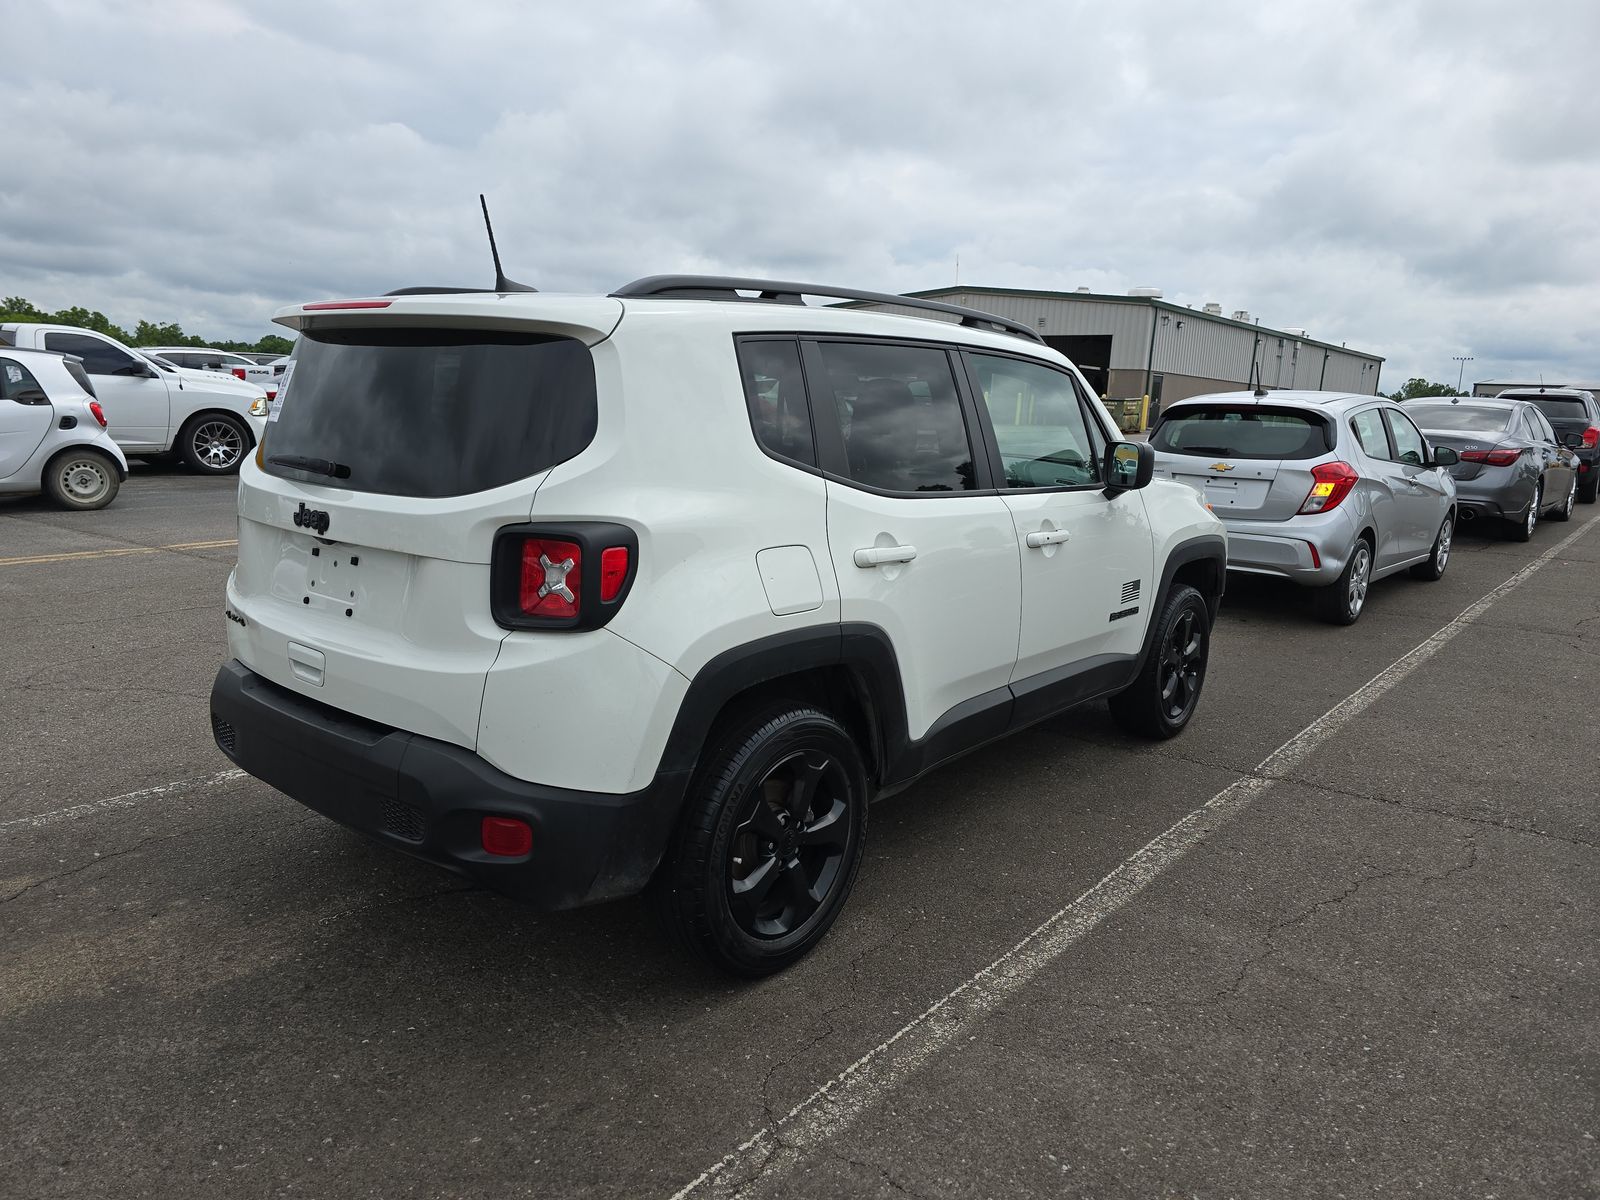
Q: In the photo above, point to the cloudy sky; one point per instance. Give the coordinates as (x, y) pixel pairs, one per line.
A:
(1420, 180)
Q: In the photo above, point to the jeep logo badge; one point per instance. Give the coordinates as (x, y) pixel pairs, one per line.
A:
(313, 519)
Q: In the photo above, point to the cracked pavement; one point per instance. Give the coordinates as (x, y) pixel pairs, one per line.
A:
(1380, 977)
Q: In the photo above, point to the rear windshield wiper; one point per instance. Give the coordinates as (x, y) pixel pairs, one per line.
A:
(1225, 451)
(317, 466)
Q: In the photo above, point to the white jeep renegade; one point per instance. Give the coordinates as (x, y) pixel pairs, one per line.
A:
(579, 594)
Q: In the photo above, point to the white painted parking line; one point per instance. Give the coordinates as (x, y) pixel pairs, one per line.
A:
(760, 1164)
(163, 791)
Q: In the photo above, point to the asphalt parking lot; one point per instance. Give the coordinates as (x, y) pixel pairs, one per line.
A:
(1338, 939)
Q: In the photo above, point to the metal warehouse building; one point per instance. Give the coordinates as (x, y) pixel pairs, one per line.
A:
(1142, 345)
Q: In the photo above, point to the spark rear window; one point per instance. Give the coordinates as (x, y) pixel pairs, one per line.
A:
(1244, 431)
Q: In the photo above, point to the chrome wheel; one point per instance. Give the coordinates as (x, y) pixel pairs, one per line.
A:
(1442, 555)
(217, 445)
(789, 850)
(1533, 510)
(1572, 498)
(1360, 570)
(83, 481)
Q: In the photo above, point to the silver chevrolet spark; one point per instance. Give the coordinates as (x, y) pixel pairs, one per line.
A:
(1326, 489)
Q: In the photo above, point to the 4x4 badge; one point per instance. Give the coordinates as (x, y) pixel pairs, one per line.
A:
(1222, 466)
(313, 519)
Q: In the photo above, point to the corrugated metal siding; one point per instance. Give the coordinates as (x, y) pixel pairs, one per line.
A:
(1127, 324)
(1203, 348)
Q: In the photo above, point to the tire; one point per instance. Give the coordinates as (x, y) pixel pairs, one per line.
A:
(214, 443)
(1342, 601)
(1433, 569)
(82, 479)
(1564, 513)
(1522, 531)
(1590, 489)
(754, 800)
(1161, 701)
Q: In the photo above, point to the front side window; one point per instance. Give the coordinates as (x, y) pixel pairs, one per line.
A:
(99, 358)
(899, 413)
(1045, 439)
(1409, 447)
(775, 394)
(17, 383)
(1368, 427)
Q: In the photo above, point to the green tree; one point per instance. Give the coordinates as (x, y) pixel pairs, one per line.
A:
(1415, 388)
(145, 333)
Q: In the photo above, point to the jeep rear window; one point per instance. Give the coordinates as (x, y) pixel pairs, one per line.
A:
(1235, 431)
(410, 411)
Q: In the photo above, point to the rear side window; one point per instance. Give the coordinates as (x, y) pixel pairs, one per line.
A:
(775, 393)
(1368, 427)
(899, 414)
(17, 383)
(407, 411)
(1232, 431)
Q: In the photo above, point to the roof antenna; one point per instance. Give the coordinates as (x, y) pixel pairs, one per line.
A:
(501, 283)
(1255, 377)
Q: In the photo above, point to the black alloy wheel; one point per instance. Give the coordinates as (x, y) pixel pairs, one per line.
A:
(769, 842)
(789, 850)
(1161, 700)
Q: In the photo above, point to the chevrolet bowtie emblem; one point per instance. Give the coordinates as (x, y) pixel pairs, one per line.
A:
(1222, 466)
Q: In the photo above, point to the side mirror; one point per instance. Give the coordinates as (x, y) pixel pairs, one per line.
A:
(1573, 441)
(1443, 456)
(1128, 465)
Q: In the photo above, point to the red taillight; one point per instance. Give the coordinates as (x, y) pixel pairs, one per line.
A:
(613, 572)
(99, 413)
(324, 305)
(272, 394)
(1494, 458)
(552, 579)
(238, 372)
(1591, 437)
(507, 837)
(1333, 483)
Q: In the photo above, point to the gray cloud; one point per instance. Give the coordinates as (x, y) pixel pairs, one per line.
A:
(1413, 180)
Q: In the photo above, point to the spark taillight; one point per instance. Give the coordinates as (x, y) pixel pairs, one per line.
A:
(572, 576)
(1501, 457)
(1333, 482)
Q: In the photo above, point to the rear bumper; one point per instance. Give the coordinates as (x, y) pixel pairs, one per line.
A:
(1310, 550)
(428, 798)
(1494, 495)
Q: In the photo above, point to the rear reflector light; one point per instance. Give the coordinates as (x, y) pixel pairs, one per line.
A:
(1333, 483)
(238, 372)
(1494, 458)
(507, 837)
(613, 571)
(1591, 437)
(325, 305)
(99, 413)
(552, 579)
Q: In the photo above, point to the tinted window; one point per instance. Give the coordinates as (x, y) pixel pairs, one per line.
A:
(775, 393)
(901, 421)
(1038, 422)
(1459, 416)
(432, 412)
(1368, 427)
(99, 358)
(1408, 445)
(1561, 408)
(1541, 427)
(1243, 432)
(17, 383)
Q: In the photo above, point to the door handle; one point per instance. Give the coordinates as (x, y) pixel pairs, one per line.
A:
(876, 556)
(1046, 537)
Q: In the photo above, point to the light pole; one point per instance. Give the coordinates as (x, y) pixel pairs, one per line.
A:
(1463, 359)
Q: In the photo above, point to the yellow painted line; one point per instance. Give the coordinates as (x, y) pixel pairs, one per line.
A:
(25, 559)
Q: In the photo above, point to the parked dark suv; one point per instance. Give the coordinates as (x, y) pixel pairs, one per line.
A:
(1571, 411)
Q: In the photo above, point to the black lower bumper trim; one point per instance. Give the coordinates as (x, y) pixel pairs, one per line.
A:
(428, 798)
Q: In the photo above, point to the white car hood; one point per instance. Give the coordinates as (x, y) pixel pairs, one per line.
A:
(218, 382)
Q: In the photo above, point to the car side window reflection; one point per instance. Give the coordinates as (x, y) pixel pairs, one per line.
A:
(1039, 424)
(1408, 444)
(1368, 427)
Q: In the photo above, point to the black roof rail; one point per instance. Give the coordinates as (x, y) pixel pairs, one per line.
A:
(774, 291)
